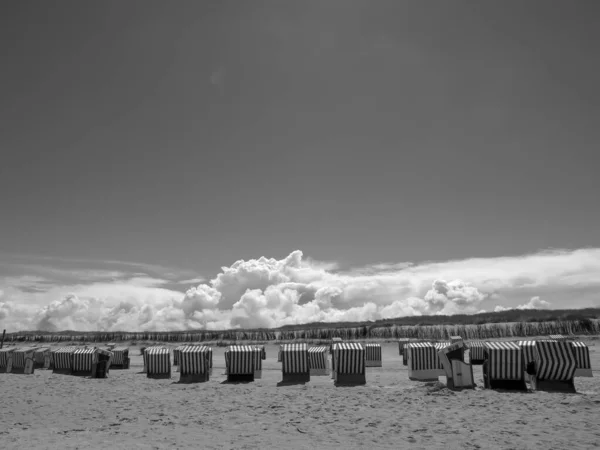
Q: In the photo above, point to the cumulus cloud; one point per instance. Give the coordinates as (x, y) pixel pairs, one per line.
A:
(269, 292)
(534, 303)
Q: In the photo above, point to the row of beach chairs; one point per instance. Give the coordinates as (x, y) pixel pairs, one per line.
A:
(546, 364)
(549, 364)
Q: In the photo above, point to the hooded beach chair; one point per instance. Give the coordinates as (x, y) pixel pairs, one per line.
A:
(62, 360)
(318, 360)
(504, 366)
(476, 352)
(582, 357)
(240, 362)
(194, 364)
(349, 366)
(145, 352)
(120, 358)
(553, 368)
(295, 367)
(158, 362)
(405, 353)
(459, 375)
(87, 362)
(422, 361)
(373, 355)
(21, 361)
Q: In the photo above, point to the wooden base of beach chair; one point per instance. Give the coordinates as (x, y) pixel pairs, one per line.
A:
(303, 377)
(477, 362)
(373, 363)
(258, 374)
(425, 375)
(159, 376)
(21, 371)
(583, 373)
(240, 377)
(350, 379)
(3, 370)
(319, 372)
(552, 385)
(194, 377)
(63, 371)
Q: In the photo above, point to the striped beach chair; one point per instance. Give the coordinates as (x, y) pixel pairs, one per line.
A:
(582, 357)
(145, 352)
(405, 354)
(194, 364)
(85, 361)
(504, 366)
(476, 352)
(373, 355)
(263, 351)
(176, 353)
(158, 362)
(62, 360)
(349, 366)
(295, 367)
(459, 375)
(240, 361)
(318, 360)
(21, 361)
(553, 368)
(120, 358)
(5, 358)
(423, 363)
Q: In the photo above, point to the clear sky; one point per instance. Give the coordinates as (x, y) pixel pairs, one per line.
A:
(193, 134)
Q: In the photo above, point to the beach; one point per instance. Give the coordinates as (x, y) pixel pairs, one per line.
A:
(127, 410)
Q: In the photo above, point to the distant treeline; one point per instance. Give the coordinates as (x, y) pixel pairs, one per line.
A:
(363, 332)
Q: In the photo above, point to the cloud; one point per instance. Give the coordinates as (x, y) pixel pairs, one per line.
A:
(534, 303)
(269, 292)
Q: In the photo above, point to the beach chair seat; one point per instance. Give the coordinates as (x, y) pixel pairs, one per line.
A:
(476, 352)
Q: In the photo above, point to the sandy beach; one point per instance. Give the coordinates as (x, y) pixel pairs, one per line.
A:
(128, 411)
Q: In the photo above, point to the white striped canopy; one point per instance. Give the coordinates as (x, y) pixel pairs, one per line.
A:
(440, 346)
(84, 358)
(476, 349)
(4, 352)
(63, 357)
(422, 356)
(158, 360)
(349, 357)
(193, 359)
(119, 355)
(373, 352)
(294, 358)
(263, 352)
(317, 357)
(529, 351)
(242, 359)
(505, 360)
(145, 352)
(554, 360)
(582, 355)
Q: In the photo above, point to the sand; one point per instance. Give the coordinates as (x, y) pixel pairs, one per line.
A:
(129, 411)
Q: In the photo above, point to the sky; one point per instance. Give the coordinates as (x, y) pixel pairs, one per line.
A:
(223, 164)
